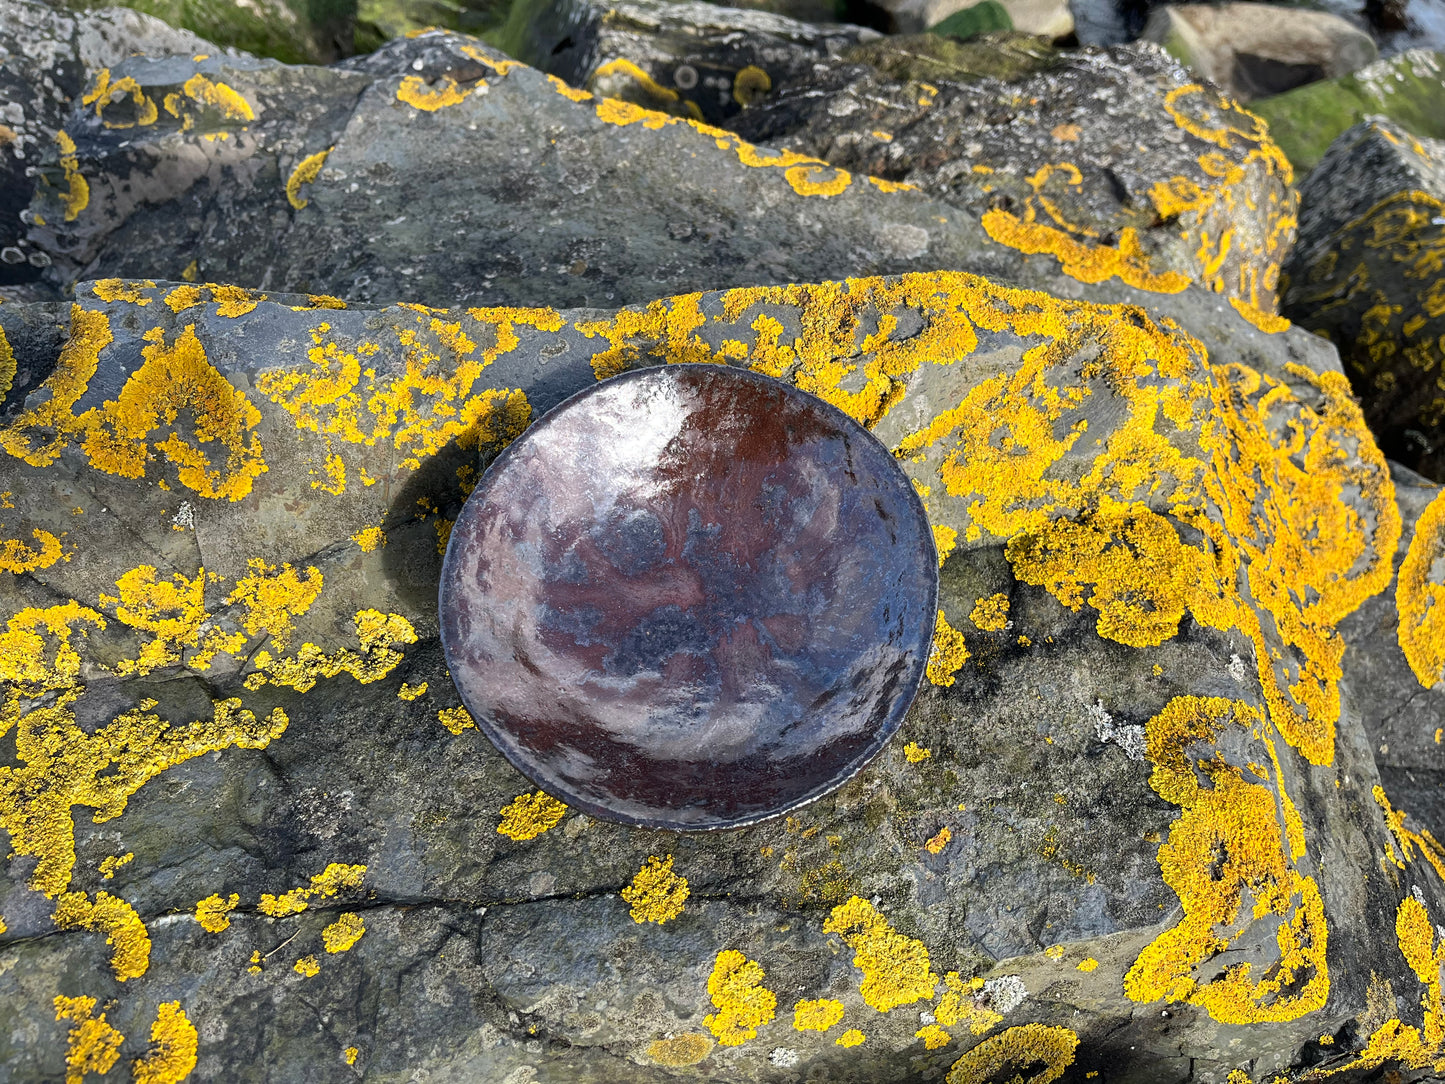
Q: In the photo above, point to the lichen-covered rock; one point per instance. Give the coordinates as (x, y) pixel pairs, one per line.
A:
(1129, 827)
(1254, 50)
(1109, 159)
(1369, 272)
(692, 59)
(44, 57)
(1408, 89)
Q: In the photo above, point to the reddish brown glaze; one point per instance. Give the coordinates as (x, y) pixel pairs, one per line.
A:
(690, 597)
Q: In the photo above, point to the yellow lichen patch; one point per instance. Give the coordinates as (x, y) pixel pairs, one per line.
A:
(17, 557)
(336, 877)
(1430, 848)
(306, 172)
(125, 933)
(1045, 1049)
(1231, 838)
(183, 297)
(255, 963)
(369, 539)
(213, 97)
(933, 1036)
(411, 692)
(743, 1003)
(344, 932)
(568, 91)
(105, 92)
(990, 614)
(172, 613)
(945, 538)
(214, 913)
(1087, 964)
(446, 91)
(380, 636)
(1267, 322)
(960, 1005)
(851, 1037)
(527, 816)
(456, 719)
(811, 180)
(8, 365)
(273, 598)
(1420, 596)
(656, 894)
(444, 533)
(110, 863)
(349, 1055)
(819, 1014)
(307, 967)
(174, 1044)
(948, 654)
(939, 841)
(93, 1046)
(915, 753)
(234, 301)
(686, 1049)
(76, 196)
(895, 968)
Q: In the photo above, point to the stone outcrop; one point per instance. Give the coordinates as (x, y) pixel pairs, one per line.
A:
(1046, 18)
(1367, 272)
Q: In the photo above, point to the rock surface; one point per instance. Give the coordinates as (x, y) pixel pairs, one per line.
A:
(1369, 272)
(1255, 50)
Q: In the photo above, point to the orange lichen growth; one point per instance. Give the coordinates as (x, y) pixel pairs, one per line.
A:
(813, 180)
(125, 933)
(1420, 596)
(344, 932)
(93, 1045)
(945, 538)
(1024, 1047)
(1232, 838)
(895, 968)
(915, 753)
(1430, 848)
(819, 1014)
(76, 196)
(306, 172)
(568, 91)
(948, 653)
(1087, 964)
(307, 967)
(217, 99)
(933, 1036)
(174, 1044)
(1267, 322)
(380, 635)
(960, 1005)
(105, 92)
(527, 816)
(679, 1050)
(17, 557)
(369, 539)
(990, 614)
(656, 894)
(8, 365)
(133, 291)
(446, 91)
(214, 913)
(456, 719)
(349, 1055)
(743, 1003)
(851, 1037)
(411, 692)
(273, 598)
(110, 863)
(336, 877)
(171, 611)
(939, 841)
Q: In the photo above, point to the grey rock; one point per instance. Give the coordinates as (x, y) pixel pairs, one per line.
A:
(1366, 272)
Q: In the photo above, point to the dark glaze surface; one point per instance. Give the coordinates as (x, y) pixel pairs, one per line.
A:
(690, 597)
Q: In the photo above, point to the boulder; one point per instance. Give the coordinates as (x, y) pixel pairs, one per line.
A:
(1099, 156)
(1255, 50)
(1367, 273)
(44, 57)
(1128, 827)
(294, 31)
(690, 59)
(1045, 18)
(1409, 89)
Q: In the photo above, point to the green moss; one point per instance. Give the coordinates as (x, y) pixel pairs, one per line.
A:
(288, 34)
(1408, 89)
(980, 18)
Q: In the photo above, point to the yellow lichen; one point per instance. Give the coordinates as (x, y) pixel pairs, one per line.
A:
(336, 877)
(415, 92)
(411, 692)
(174, 1044)
(915, 753)
(851, 1037)
(679, 1050)
(819, 1014)
(1087, 964)
(273, 598)
(111, 863)
(933, 1036)
(8, 365)
(17, 557)
(369, 539)
(948, 653)
(945, 538)
(1430, 848)
(306, 172)
(1050, 1049)
(344, 932)
(743, 1003)
(527, 816)
(214, 913)
(349, 1055)
(1420, 596)
(960, 1005)
(1267, 322)
(76, 196)
(990, 614)
(93, 1045)
(656, 894)
(456, 719)
(124, 931)
(895, 968)
(939, 841)
(212, 96)
(380, 636)
(307, 967)
(105, 92)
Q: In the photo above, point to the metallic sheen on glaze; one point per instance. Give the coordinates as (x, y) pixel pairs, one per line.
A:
(690, 597)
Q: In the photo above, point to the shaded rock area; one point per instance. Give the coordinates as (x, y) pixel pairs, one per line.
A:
(1369, 272)
(1166, 808)
(1255, 50)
